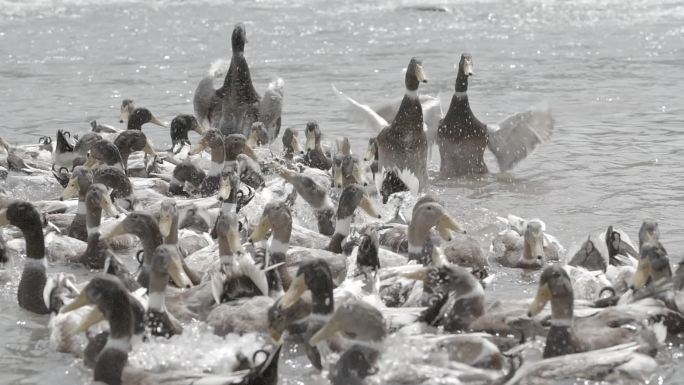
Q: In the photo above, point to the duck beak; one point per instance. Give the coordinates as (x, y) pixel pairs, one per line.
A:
(108, 207)
(225, 190)
(148, 149)
(338, 176)
(252, 140)
(420, 74)
(328, 330)
(198, 128)
(286, 174)
(4, 144)
(310, 142)
(294, 292)
(642, 274)
(93, 317)
(119, 229)
(199, 147)
(418, 275)
(155, 120)
(261, 231)
(468, 67)
(123, 116)
(91, 162)
(275, 334)
(296, 147)
(177, 273)
(536, 247)
(3, 218)
(77, 303)
(165, 222)
(359, 176)
(370, 154)
(71, 190)
(247, 150)
(543, 296)
(367, 205)
(446, 225)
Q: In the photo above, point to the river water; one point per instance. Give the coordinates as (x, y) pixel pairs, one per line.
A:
(611, 70)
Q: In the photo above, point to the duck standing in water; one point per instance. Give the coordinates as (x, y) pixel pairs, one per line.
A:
(402, 145)
(462, 138)
(240, 99)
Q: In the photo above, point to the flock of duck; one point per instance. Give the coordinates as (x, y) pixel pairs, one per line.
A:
(291, 247)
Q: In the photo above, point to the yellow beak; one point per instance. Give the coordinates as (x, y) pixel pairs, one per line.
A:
(294, 292)
(261, 231)
(367, 205)
(156, 121)
(543, 296)
(446, 224)
(71, 190)
(3, 218)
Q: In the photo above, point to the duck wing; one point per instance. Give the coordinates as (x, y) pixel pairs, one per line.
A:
(271, 108)
(362, 112)
(518, 135)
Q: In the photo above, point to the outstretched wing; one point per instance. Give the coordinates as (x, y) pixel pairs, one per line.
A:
(361, 112)
(518, 135)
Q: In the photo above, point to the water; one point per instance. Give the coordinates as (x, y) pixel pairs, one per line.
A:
(611, 70)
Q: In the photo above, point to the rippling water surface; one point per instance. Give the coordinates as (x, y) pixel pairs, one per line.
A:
(611, 70)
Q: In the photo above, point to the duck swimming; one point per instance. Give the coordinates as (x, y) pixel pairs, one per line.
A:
(462, 138)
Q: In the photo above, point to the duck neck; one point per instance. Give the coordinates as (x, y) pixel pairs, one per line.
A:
(114, 356)
(33, 278)
(218, 157)
(342, 229)
(172, 238)
(157, 290)
(150, 242)
(461, 83)
(417, 236)
(324, 217)
(93, 220)
(277, 249)
(410, 113)
(562, 310)
(323, 302)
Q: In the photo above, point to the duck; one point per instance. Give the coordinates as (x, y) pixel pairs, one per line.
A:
(145, 227)
(315, 157)
(37, 292)
(104, 152)
(96, 200)
(402, 144)
(618, 243)
(315, 195)
(130, 141)
(568, 335)
(81, 179)
(187, 243)
(140, 116)
(349, 171)
(258, 135)
(206, 104)
(271, 108)
(166, 264)
(291, 145)
(126, 109)
(212, 139)
(179, 128)
(525, 244)
(411, 238)
(462, 138)
(109, 295)
(240, 100)
(186, 174)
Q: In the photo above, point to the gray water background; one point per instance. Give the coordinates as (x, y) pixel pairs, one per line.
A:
(612, 71)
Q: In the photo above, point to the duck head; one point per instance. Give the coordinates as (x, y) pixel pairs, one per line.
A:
(97, 198)
(228, 232)
(167, 263)
(104, 152)
(428, 213)
(181, 125)
(127, 107)
(372, 150)
(141, 116)
(649, 232)
(654, 265)
(367, 255)
(277, 217)
(354, 196)
(168, 217)
(533, 256)
(81, 179)
(238, 38)
(258, 135)
(465, 70)
(236, 144)
(313, 135)
(313, 275)
(357, 320)
(291, 143)
(555, 286)
(130, 141)
(414, 74)
(229, 184)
